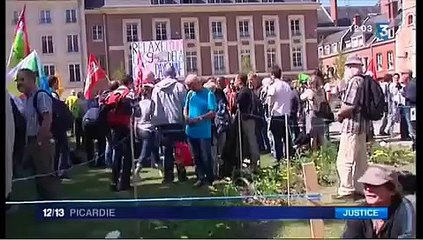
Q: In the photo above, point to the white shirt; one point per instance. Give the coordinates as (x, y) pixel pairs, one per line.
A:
(280, 95)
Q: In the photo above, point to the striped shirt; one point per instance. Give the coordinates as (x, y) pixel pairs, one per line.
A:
(44, 105)
(353, 97)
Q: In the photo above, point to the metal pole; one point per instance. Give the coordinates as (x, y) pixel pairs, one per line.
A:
(239, 137)
(288, 163)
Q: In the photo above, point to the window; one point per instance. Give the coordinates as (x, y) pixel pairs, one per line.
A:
(334, 48)
(49, 69)
(102, 61)
(245, 59)
(131, 32)
(271, 57)
(391, 33)
(327, 50)
(354, 42)
(297, 57)
(410, 19)
(15, 17)
(348, 44)
(214, 1)
(365, 63)
(390, 56)
(360, 41)
(243, 29)
(217, 30)
(158, 2)
(191, 61)
(161, 30)
(74, 73)
(97, 33)
(189, 30)
(71, 16)
(270, 28)
(321, 51)
(267, 1)
(73, 45)
(219, 61)
(379, 62)
(295, 27)
(47, 44)
(45, 16)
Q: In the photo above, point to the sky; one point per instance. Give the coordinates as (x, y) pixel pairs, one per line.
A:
(352, 2)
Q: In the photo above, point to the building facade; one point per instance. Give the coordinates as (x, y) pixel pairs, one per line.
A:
(406, 37)
(219, 36)
(56, 30)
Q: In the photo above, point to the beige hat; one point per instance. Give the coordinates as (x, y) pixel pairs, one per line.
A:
(354, 60)
(378, 175)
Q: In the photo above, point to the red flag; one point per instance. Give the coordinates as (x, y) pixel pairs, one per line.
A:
(371, 69)
(20, 47)
(94, 74)
(139, 75)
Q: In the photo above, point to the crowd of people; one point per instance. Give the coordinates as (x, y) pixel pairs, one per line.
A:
(222, 124)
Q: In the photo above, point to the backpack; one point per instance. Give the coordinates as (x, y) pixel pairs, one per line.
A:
(62, 120)
(373, 105)
(321, 107)
(117, 115)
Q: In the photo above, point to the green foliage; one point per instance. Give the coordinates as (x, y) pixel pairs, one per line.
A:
(120, 73)
(394, 156)
(246, 65)
(340, 65)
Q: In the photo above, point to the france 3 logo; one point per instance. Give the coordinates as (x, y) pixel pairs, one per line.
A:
(381, 30)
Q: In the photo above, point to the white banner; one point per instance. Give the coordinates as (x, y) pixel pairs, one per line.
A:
(157, 55)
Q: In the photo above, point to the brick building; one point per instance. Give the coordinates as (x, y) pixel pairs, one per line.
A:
(218, 34)
(406, 36)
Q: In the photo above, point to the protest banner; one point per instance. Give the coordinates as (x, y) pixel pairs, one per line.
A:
(157, 55)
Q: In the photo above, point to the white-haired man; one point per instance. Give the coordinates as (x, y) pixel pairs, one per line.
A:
(199, 110)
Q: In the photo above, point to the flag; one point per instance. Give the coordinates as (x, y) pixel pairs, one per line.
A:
(139, 71)
(60, 85)
(33, 63)
(303, 78)
(94, 74)
(20, 47)
(371, 69)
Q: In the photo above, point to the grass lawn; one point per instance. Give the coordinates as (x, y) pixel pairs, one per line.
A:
(93, 184)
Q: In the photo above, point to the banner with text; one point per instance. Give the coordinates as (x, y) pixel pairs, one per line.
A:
(155, 56)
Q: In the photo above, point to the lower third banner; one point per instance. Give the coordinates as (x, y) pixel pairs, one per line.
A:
(211, 213)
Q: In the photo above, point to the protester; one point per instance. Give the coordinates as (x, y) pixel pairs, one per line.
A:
(10, 139)
(53, 83)
(385, 88)
(314, 95)
(80, 108)
(199, 110)
(231, 93)
(280, 95)
(352, 154)
(395, 99)
(382, 189)
(145, 131)
(39, 149)
(169, 96)
(295, 110)
(113, 85)
(71, 103)
(119, 117)
(409, 93)
(245, 105)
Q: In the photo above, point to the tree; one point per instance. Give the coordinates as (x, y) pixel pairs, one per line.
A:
(246, 65)
(120, 72)
(340, 65)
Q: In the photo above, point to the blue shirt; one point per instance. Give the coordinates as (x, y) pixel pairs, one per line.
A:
(200, 103)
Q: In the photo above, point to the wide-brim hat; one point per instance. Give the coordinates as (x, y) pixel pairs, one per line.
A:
(353, 60)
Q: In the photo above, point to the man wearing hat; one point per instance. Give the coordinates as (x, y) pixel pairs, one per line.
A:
(352, 154)
(382, 189)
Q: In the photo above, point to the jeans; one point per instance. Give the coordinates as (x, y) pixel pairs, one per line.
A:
(89, 137)
(278, 129)
(62, 153)
(204, 164)
(406, 113)
(122, 157)
(169, 134)
(149, 149)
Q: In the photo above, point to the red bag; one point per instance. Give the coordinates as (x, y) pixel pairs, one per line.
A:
(116, 117)
(183, 154)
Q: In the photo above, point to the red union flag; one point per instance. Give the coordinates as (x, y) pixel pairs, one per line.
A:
(94, 74)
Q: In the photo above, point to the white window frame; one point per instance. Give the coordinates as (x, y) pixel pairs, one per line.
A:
(365, 63)
(268, 31)
(268, 52)
(360, 41)
(223, 24)
(348, 44)
(189, 32)
(165, 21)
(44, 17)
(244, 28)
(301, 66)
(49, 68)
(189, 60)
(48, 50)
(125, 22)
(379, 62)
(158, 2)
(321, 52)
(390, 60)
(72, 16)
(97, 33)
(196, 28)
(69, 73)
(74, 47)
(391, 33)
(300, 31)
(242, 35)
(275, 19)
(412, 19)
(225, 63)
(334, 48)
(354, 42)
(327, 50)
